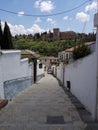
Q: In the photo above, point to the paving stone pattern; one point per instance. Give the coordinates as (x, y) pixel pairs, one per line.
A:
(31, 109)
(83, 112)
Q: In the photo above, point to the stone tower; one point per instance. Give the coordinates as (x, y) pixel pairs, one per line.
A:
(56, 34)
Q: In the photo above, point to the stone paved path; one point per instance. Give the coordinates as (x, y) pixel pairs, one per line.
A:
(30, 109)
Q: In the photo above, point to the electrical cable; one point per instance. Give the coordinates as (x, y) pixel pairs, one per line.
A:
(85, 23)
(38, 15)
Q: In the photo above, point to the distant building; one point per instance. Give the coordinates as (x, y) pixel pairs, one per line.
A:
(67, 54)
(57, 35)
(48, 61)
(29, 54)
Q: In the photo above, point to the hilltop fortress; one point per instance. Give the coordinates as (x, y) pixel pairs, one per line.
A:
(56, 35)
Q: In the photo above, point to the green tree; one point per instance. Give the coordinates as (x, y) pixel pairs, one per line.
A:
(7, 38)
(1, 35)
(81, 51)
(37, 36)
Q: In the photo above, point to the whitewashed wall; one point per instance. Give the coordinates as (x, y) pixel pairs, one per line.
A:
(54, 69)
(12, 67)
(1, 91)
(25, 69)
(40, 71)
(82, 75)
(30, 69)
(1, 79)
(60, 73)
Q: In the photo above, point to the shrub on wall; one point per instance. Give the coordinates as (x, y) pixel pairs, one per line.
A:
(81, 51)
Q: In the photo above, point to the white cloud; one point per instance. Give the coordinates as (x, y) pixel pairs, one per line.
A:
(38, 20)
(44, 6)
(20, 29)
(82, 17)
(34, 29)
(2, 24)
(93, 5)
(51, 21)
(20, 13)
(17, 29)
(68, 29)
(37, 3)
(65, 18)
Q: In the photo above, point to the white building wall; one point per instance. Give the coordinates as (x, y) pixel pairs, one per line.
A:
(96, 25)
(11, 67)
(82, 75)
(60, 72)
(1, 78)
(31, 70)
(54, 69)
(92, 47)
(10, 64)
(40, 71)
(24, 69)
(1, 91)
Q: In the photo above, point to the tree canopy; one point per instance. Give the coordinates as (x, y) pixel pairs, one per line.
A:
(49, 48)
(5, 37)
(81, 51)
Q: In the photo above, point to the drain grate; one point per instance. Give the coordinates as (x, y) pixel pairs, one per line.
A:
(55, 120)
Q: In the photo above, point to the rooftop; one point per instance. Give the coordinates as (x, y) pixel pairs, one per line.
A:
(29, 52)
(72, 48)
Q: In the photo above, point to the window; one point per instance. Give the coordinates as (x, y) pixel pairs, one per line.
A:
(66, 56)
(40, 66)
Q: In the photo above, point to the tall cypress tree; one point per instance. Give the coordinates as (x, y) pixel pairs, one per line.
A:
(1, 36)
(7, 38)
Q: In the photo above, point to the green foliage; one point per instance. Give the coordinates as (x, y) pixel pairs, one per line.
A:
(42, 47)
(81, 51)
(5, 37)
(87, 37)
(48, 48)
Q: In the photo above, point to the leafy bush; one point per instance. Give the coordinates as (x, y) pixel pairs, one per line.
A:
(81, 51)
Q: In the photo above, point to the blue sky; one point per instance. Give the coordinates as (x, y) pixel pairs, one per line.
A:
(71, 20)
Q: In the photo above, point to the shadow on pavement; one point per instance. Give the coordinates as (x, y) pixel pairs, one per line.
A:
(84, 114)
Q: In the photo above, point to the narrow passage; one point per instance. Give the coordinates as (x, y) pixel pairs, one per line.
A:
(43, 106)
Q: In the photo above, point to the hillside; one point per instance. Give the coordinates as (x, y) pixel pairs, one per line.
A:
(48, 48)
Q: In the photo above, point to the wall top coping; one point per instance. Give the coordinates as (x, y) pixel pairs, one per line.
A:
(25, 59)
(10, 51)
